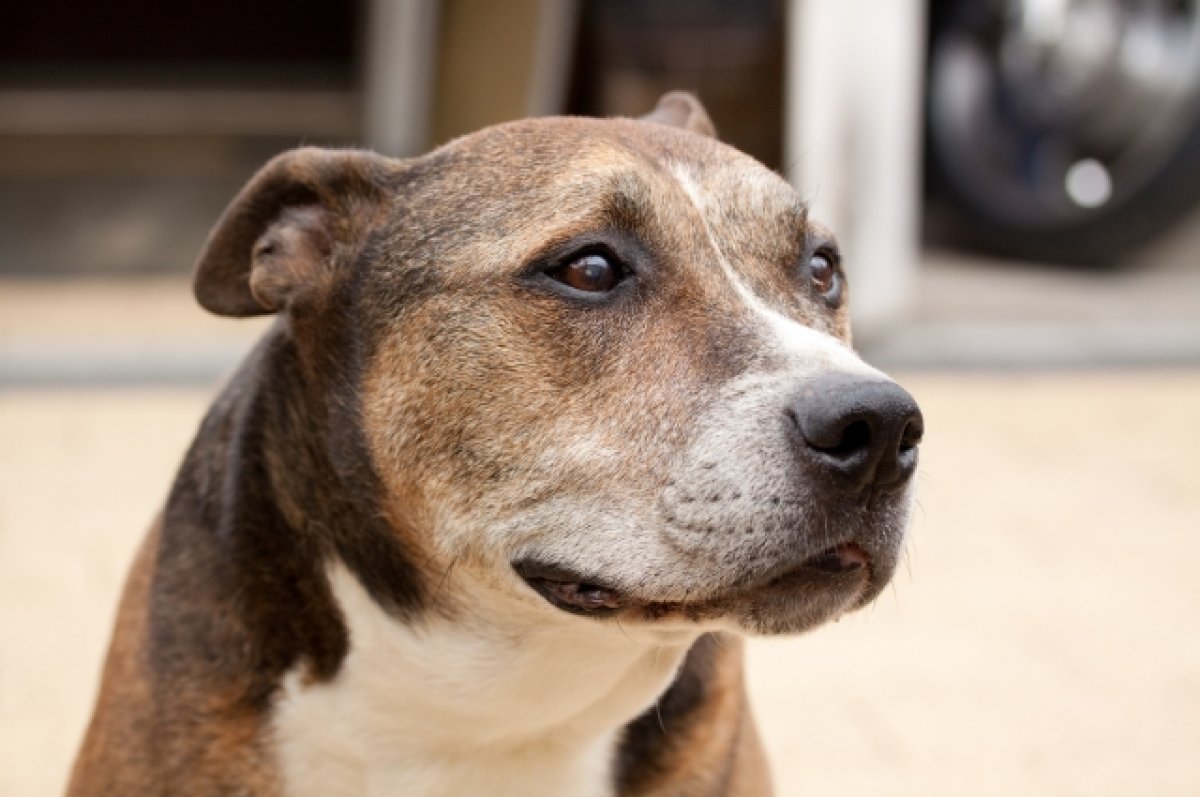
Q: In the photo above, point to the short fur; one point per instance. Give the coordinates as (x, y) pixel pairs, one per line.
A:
(329, 603)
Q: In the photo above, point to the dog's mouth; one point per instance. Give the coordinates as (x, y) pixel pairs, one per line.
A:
(570, 591)
(838, 568)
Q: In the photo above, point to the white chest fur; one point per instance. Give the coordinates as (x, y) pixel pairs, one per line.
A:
(502, 704)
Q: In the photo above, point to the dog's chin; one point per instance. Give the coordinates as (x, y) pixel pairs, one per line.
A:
(817, 590)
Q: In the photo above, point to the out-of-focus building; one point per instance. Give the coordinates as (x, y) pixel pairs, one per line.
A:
(1048, 129)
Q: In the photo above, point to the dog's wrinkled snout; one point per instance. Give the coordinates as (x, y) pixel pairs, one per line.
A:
(862, 430)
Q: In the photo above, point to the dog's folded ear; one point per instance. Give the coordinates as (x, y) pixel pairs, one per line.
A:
(276, 239)
(681, 109)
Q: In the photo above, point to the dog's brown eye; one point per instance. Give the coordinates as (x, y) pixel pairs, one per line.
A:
(824, 275)
(592, 273)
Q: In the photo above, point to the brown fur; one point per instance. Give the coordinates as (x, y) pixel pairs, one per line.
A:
(405, 295)
(700, 738)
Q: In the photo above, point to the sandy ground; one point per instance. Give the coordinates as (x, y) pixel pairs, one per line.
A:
(1043, 638)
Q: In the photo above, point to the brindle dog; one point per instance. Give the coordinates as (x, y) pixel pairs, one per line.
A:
(547, 418)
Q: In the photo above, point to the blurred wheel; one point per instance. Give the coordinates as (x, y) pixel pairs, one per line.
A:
(1065, 130)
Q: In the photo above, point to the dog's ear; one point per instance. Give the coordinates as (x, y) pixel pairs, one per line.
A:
(681, 109)
(274, 241)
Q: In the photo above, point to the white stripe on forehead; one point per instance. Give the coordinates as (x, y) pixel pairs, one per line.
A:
(815, 349)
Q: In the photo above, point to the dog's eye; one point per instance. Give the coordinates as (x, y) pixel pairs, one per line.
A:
(590, 273)
(822, 270)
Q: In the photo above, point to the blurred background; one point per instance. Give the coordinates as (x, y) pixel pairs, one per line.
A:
(1016, 185)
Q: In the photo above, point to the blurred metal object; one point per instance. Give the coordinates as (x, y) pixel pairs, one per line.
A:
(401, 41)
(554, 48)
(1066, 129)
(852, 140)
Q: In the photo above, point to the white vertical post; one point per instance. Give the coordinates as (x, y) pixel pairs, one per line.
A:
(401, 42)
(852, 139)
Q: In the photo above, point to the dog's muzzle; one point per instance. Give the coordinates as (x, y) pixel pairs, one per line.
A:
(786, 509)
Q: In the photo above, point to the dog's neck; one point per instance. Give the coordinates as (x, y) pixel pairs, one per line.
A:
(500, 702)
(386, 694)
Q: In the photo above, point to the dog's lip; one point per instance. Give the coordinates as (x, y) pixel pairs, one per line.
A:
(567, 589)
(844, 558)
(570, 591)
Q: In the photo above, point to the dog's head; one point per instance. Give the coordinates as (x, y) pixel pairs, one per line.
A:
(601, 368)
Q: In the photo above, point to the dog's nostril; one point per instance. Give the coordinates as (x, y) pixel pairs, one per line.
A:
(862, 430)
(912, 435)
(854, 438)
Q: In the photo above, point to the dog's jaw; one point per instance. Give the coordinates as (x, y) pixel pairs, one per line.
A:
(820, 587)
(497, 701)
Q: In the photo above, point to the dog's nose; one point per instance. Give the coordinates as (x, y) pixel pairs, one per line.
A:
(863, 430)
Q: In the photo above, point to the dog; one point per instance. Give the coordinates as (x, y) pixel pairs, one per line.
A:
(548, 420)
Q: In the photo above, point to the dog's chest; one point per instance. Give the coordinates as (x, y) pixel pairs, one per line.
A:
(329, 758)
(436, 710)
